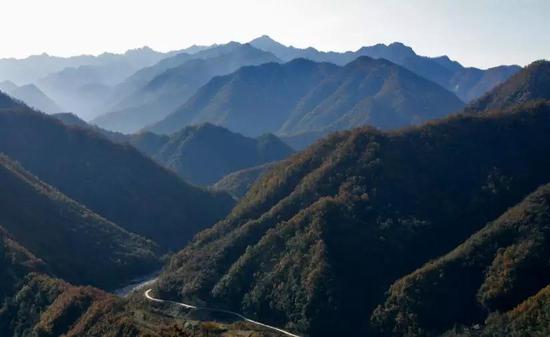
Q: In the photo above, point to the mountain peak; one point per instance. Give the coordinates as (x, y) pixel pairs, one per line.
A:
(266, 42)
(398, 46)
(264, 38)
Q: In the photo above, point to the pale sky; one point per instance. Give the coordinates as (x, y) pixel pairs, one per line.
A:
(479, 33)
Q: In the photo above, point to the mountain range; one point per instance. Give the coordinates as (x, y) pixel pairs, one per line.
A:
(113, 180)
(305, 96)
(422, 209)
(164, 90)
(327, 243)
(35, 67)
(45, 235)
(121, 92)
(198, 154)
(204, 154)
(79, 84)
(466, 83)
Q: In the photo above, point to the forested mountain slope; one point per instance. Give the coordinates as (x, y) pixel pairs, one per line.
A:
(532, 83)
(77, 244)
(113, 180)
(205, 153)
(240, 182)
(493, 271)
(317, 242)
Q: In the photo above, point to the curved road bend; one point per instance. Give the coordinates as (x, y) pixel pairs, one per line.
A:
(189, 306)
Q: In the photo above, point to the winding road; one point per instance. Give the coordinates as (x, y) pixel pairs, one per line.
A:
(193, 307)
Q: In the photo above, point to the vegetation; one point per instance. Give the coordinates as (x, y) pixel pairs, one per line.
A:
(15, 263)
(239, 182)
(316, 242)
(533, 83)
(493, 271)
(45, 307)
(204, 154)
(77, 244)
(113, 180)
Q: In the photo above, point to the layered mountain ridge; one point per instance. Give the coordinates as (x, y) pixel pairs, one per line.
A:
(304, 96)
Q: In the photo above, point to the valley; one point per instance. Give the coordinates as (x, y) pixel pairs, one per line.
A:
(255, 188)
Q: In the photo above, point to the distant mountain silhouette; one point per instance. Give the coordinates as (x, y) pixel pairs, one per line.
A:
(113, 180)
(34, 97)
(466, 83)
(140, 79)
(74, 242)
(304, 96)
(7, 86)
(171, 88)
(204, 154)
(35, 67)
(80, 84)
(532, 83)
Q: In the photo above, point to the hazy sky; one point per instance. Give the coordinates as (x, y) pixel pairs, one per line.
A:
(475, 32)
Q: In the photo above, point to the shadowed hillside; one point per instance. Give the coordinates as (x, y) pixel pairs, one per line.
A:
(115, 181)
(493, 271)
(76, 243)
(204, 154)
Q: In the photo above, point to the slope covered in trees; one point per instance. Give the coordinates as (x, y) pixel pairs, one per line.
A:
(530, 318)
(304, 96)
(317, 242)
(33, 303)
(204, 154)
(15, 263)
(77, 244)
(113, 180)
(532, 83)
(493, 271)
(239, 182)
